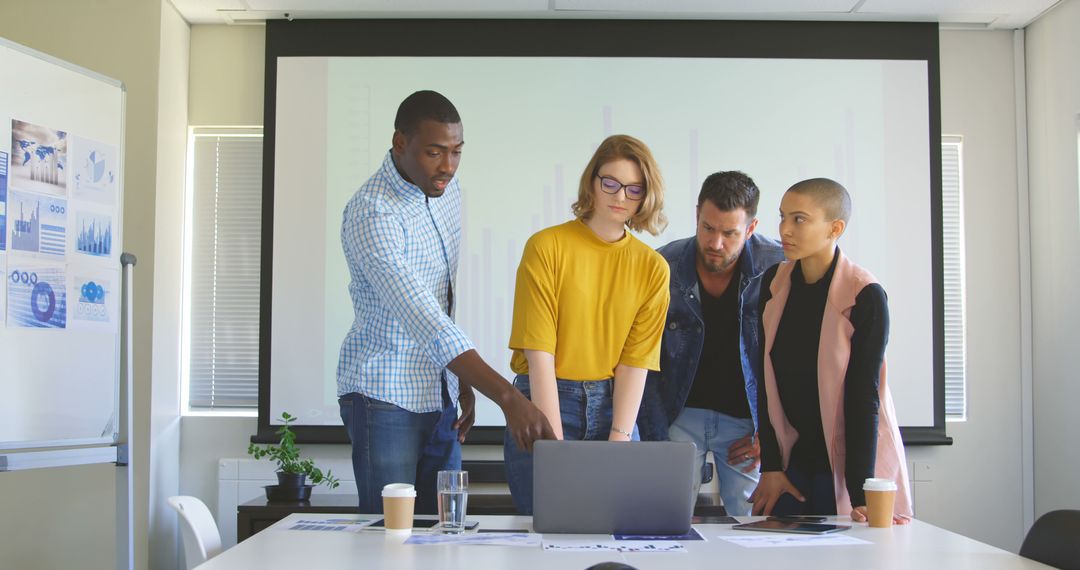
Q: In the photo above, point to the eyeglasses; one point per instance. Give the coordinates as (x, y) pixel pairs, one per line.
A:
(611, 186)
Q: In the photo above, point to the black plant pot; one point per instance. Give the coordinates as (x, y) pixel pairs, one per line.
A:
(291, 479)
(290, 488)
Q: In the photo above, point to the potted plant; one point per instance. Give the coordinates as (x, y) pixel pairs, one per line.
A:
(292, 471)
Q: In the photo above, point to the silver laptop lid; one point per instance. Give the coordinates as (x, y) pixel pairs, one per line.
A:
(606, 487)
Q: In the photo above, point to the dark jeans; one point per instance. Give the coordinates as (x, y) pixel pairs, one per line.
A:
(816, 486)
(585, 407)
(393, 445)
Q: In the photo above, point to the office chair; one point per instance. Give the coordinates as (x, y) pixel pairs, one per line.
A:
(1053, 540)
(202, 540)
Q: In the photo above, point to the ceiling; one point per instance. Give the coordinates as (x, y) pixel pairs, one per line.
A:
(974, 14)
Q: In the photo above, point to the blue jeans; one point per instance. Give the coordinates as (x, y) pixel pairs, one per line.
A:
(713, 431)
(585, 408)
(393, 445)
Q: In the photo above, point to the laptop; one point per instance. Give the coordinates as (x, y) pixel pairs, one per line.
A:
(606, 487)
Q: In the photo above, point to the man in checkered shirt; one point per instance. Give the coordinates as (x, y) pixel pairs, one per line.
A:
(400, 363)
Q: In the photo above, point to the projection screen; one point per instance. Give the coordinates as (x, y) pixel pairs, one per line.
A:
(860, 108)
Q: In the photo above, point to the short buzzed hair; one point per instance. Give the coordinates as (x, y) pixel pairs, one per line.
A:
(829, 194)
(424, 106)
(729, 191)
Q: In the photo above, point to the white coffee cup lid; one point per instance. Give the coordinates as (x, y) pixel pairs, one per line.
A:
(873, 484)
(399, 490)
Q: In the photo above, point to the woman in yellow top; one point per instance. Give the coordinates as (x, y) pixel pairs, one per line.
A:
(590, 306)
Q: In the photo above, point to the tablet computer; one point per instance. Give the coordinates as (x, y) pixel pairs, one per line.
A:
(424, 523)
(798, 518)
(795, 527)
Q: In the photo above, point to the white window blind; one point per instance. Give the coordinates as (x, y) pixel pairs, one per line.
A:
(225, 213)
(952, 205)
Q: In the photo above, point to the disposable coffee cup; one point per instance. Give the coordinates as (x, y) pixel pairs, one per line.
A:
(880, 498)
(398, 502)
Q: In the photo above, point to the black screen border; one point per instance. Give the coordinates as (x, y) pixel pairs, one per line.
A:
(597, 38)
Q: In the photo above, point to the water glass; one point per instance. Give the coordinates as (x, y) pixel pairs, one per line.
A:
(453, 487)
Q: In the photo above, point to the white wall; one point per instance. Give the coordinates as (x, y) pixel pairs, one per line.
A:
(164, 432)
(977, 102)
(1053, 83)
(976, 486)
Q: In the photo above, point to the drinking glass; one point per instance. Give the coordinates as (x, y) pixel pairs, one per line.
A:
(453, 487)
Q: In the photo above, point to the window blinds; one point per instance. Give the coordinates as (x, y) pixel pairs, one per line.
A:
(225, 224)
(952, 205)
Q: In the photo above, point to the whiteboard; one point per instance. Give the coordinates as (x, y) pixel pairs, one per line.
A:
(61, 206)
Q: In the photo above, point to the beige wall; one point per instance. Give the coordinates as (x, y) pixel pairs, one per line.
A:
(227, 75)
(65, 518)
(978, 103)
(1053, 83)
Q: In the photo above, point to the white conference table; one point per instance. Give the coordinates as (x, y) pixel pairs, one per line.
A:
(918, 545)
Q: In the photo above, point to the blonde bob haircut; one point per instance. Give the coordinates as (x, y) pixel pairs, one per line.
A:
(650, 216)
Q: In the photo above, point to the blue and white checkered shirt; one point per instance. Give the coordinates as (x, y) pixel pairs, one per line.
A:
(402, 250)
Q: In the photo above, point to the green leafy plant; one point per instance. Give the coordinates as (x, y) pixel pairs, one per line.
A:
(287, 456)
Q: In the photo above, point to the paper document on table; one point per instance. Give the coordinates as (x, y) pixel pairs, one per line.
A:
(580, 544)
(344, 524)
(788, 540)
(522, 539)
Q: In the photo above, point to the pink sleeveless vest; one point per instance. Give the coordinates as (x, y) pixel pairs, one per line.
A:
(834, 352)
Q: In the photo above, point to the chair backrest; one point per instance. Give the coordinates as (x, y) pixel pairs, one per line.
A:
(202, 541)
(1054, 539)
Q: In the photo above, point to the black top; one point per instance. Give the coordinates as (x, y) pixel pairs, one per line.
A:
(795, 356)
(718, 383)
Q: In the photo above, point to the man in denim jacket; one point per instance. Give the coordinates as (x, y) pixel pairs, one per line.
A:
(706, 391)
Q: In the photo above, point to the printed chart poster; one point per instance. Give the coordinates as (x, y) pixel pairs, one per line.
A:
(3, 199)
(38, 158)
(36, 295)
(38, 223)
(3, 288)
(93, 170)
(94, 301)
(93, 233)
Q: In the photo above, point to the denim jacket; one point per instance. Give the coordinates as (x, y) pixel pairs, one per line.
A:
(684, 334)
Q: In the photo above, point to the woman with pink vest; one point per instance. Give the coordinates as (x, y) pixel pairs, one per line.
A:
(826, 415)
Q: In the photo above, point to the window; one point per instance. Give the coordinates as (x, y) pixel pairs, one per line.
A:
(952, 205)
(220, 351)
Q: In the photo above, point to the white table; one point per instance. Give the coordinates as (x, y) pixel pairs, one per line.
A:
(918, 545)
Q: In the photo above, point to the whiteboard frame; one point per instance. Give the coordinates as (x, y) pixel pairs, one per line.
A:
(114, 439)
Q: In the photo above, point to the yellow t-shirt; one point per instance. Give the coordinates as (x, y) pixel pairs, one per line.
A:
(592, 304)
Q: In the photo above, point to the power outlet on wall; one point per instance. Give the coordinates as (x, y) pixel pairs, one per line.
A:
(922, 471)
(923, 490)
